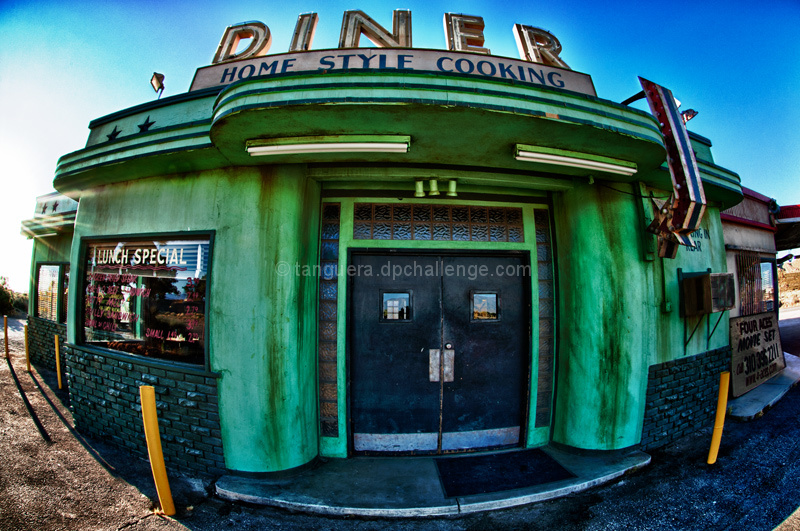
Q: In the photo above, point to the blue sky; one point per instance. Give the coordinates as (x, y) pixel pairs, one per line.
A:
(63, 64)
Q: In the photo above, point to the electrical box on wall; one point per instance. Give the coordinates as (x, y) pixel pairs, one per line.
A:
(708, 293)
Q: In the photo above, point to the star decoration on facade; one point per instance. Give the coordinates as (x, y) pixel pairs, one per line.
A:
(55, 206)
(113, 134)
(662, 214)
(146, 125)
(661, 226)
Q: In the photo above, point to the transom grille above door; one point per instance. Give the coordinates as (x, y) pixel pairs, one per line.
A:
(377, 221)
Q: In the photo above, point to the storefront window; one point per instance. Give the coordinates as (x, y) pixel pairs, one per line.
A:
(47, 292)
(767, 286)
(64, 292)
(148, 297)
(52, 286)
(756, 277)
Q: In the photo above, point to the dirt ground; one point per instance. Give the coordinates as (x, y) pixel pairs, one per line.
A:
(52, 478)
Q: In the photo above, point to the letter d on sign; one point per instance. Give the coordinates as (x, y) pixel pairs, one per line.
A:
(262, 40)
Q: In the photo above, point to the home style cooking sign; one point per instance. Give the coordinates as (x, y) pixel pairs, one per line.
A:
(540, 63)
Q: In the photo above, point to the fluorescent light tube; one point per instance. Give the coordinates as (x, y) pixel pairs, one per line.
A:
(329, 147)
(560, 160)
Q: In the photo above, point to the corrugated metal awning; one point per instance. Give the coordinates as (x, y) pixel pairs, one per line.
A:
(788, 224)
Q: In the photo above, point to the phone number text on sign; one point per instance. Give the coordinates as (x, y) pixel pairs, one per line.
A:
(757, 353)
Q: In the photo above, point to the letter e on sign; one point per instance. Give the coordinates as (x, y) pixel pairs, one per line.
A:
(464, 33)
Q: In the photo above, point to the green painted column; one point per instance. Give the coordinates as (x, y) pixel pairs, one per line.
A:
(267, 394)
(605, 316)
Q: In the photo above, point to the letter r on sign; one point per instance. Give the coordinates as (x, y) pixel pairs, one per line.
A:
(538, 46)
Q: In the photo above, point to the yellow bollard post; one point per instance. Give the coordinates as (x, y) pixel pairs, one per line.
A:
(150, 419)
(719, 423)
(5, 333)
(27, 352)
(58, 363)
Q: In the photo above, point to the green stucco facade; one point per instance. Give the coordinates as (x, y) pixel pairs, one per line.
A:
(619, 313)
(262, 325)
(615, 303)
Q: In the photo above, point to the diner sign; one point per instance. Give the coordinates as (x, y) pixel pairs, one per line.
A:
(757, 353)
(466, 54)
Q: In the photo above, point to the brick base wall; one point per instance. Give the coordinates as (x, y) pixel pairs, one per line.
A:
(105, 403)
(682, 396)
(41, 342)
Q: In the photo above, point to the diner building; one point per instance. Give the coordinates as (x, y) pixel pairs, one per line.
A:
(384, 251)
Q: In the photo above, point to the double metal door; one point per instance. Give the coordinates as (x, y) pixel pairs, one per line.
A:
(439, 352)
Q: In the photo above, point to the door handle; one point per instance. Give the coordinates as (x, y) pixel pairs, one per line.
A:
(434, 363)
(449, 364)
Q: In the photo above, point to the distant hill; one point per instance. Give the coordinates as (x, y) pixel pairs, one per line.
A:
(789, 283)
(790, 267)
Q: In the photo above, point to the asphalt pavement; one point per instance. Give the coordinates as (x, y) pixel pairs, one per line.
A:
(79, 483)
(790, 329)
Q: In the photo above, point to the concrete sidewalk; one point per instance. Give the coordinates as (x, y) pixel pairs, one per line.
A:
(391, 487)
(753, 404)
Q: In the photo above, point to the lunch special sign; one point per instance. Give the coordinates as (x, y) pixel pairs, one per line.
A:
(757, 354)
